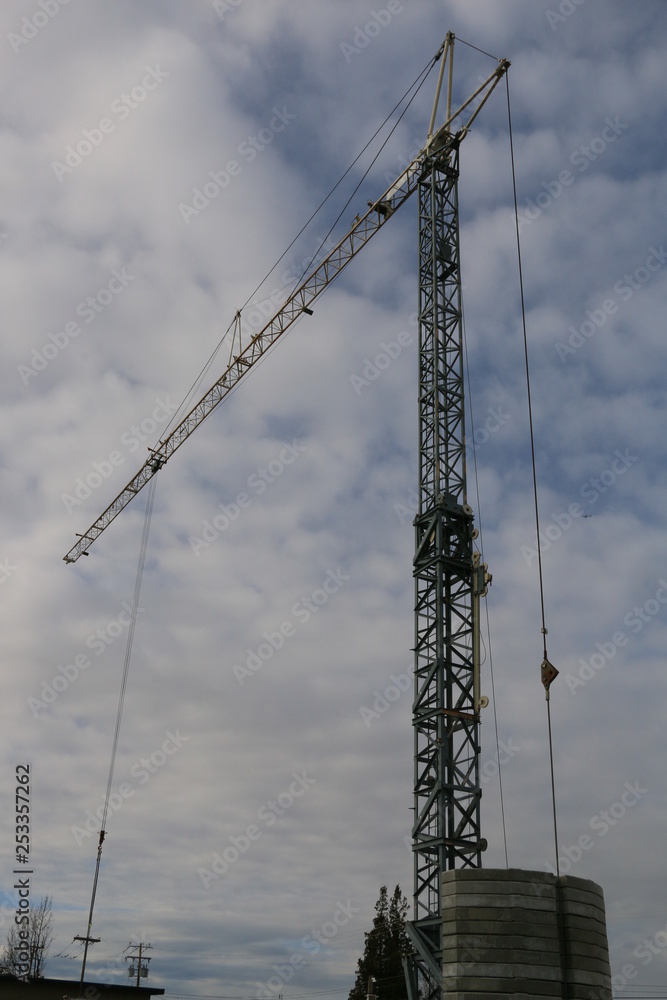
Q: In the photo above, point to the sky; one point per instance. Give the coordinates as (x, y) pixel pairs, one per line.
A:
(159, 158)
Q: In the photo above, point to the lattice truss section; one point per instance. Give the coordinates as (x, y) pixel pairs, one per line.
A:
(253, 346)
(446, 831)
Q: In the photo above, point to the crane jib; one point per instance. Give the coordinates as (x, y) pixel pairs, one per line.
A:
(298, 304)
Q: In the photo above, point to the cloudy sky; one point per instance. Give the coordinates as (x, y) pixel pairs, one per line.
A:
(256, 812)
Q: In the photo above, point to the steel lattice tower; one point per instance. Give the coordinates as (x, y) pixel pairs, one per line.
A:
(448, 582)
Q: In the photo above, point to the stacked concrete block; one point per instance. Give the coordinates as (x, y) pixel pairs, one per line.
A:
(514, 934)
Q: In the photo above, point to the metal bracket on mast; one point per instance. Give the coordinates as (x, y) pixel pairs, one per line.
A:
(481, 581)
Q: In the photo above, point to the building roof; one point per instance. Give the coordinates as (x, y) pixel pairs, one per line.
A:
(45, 988)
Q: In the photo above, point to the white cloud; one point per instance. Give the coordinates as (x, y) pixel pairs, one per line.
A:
(333, 509)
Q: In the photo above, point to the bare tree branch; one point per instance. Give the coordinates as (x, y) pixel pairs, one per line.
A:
(27, 945)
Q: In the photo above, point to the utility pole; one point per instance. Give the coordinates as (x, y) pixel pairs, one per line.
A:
(87, 939)
(140, 959)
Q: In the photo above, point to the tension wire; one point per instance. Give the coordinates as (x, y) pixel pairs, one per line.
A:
(548, 671)
(121, 701)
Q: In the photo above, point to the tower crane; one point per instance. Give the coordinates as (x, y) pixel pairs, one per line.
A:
(449, 577)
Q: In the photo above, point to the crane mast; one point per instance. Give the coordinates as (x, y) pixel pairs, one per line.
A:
(449, 578)
(448, 575)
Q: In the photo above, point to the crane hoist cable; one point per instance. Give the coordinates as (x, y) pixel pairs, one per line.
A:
(481, 539)
(143, 547)
(548, 671)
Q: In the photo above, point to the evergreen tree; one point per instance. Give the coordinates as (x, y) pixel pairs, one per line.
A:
(384, 948)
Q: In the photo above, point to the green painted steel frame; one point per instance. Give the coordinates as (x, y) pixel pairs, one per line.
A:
(446, 829)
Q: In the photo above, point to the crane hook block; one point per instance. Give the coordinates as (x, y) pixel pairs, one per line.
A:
(549, 673)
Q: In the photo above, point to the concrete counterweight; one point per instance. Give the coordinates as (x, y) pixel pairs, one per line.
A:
(514, 933)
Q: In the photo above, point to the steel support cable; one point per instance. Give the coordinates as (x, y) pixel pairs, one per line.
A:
(481, 543)
(476, 48)
(200, 377)
(310, 263)
(486, 603)
(548, 671)
(143, 547)
(418, 83)
(424, 73)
